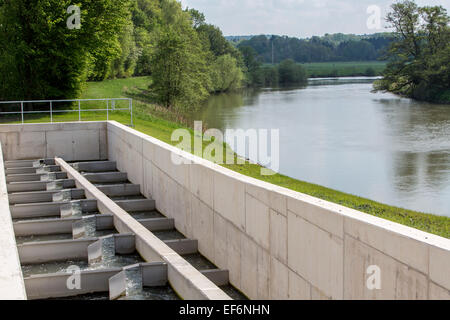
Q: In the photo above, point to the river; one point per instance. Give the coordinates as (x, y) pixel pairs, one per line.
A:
(338, 134)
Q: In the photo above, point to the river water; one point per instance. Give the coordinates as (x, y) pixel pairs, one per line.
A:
(337, 133)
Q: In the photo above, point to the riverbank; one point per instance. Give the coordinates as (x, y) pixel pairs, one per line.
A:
(161, 128)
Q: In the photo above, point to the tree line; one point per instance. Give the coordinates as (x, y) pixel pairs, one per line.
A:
(419, 58)
(186, 58)
(337, 47)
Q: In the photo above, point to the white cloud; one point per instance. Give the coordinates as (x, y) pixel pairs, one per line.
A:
(302, 18)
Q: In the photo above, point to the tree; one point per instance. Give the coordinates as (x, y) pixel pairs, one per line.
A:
(418, 66)
(198, 18)
(217, 42)
(41, 58)
(291, 73)
(226, 74)
(180, 75)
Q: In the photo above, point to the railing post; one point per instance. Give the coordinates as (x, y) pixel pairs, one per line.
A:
(21, 111)
(51, 112)
(79, 110)
(131, 112)
(107, 109)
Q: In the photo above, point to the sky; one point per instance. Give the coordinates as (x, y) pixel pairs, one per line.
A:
(298, 18)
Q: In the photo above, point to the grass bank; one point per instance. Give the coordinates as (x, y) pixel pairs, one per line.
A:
(161, 128)
(344, 69)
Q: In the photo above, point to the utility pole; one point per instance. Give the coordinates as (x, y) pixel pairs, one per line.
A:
(273, 60)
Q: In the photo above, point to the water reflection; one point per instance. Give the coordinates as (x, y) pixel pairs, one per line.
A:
(339, 134)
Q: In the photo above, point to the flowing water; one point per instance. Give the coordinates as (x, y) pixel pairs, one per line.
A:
(339, 134)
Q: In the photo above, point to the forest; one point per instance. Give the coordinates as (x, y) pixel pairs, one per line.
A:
(336, 47)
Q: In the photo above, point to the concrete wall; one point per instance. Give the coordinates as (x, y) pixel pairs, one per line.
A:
(71, 141)
(280, 244)
(12, 286)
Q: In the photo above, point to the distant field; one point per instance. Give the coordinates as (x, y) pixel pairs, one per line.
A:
(344, 69)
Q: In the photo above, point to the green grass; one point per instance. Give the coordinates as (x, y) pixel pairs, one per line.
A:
(156, 126)
(343, 69)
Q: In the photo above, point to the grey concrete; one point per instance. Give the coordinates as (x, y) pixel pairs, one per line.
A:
(183, 246)
(95, 252)
(188, 282)
(218, 276)
(48, 209)
(27, 163)
(47, 169)
(121, 190)
(96, 166)
(137, 205)
(55, 285)
(32, 170)
(107, 177)
(41, 196)
(118, 285)
(125, 243)
(44, 227)
(277, 243)
(154, 274)
(74, 141)
(33, 177)
(11, 280)
(38, 185)
(158, 224)
(52, 251)
(105, 222)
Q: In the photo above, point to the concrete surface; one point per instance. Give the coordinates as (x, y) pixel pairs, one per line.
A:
(277, 243)
(71, 141)
(188, 282)
(12, 286)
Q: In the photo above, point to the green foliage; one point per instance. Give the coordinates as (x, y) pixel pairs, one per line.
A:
(291, 73)
(217, 42)
(40, 58)
(180, 73)
(226, 74)
(419, 59)
(318, 49)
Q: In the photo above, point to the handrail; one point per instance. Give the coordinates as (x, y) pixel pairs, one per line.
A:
(110, 106)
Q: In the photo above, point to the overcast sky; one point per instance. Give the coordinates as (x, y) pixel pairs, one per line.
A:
(299, 18)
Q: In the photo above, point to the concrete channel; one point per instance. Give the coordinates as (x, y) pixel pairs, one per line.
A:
(86, 220)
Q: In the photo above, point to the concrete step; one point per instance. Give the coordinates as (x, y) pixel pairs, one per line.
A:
(70, 250)
(158, 224)
(37, 185)
(44, 227)
(31, 170)
(121, 190)
(57, 226)
(106, 177)
(50, 209)
(218, 276)
(95, 166)
(137, 277)
(42, 196)
(47, 286)
(27, 163)
(183, 246)
(28, 177)
(137, 205)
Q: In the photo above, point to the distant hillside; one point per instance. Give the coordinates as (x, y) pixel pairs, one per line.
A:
(238, 39)
(331, 47)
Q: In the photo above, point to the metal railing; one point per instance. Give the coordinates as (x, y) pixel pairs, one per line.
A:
(110, 106)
